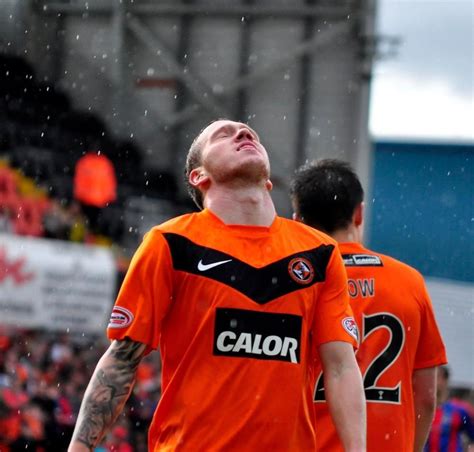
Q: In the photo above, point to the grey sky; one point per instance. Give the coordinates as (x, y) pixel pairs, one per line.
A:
(434, 66)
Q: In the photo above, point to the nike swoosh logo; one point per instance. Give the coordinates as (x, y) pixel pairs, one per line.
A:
(203, 267)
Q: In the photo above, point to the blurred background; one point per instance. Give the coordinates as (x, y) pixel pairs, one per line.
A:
(99, 102)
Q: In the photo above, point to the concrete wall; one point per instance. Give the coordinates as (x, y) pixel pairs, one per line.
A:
(305, 94)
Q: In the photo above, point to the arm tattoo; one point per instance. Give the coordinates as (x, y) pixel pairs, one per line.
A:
(108, 390)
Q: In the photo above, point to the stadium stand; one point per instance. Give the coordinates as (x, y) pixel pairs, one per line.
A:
(42, 137)
(43, 374)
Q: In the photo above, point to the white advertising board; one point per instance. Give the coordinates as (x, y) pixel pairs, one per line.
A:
(55, 285)
(453, 302)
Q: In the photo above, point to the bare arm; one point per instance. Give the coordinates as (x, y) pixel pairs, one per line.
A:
(424, 394)
(106, 394)
(345, 394)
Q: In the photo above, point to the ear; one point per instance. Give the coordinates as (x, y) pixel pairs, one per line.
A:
(358, 216)
(198, 177)
(296, 216)
(269, 185)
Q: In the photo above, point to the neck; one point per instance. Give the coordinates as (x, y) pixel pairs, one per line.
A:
(350, 234)
(250, 206)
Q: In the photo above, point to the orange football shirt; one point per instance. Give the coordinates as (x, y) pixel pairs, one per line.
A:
(399, 334)
(237, 312)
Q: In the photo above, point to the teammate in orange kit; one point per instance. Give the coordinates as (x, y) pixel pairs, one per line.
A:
(238, 300)
(400, 345)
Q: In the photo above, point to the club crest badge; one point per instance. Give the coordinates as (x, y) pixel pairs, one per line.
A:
(301, 270)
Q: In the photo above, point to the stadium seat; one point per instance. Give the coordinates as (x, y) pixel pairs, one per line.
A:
(28, 218)
(8, 186)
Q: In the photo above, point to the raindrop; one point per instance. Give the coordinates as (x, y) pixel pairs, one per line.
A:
(217, 89)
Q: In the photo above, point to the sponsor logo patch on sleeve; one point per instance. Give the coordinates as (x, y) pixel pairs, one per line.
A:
(350, 326)
(120, 318)
(362, 260)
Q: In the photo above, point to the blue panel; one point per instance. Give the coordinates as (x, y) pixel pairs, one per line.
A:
(423, 210)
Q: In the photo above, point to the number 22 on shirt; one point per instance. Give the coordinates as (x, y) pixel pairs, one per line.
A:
(378, 364)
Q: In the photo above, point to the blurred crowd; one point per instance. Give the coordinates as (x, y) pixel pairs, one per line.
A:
(63, 173)
(42, 381)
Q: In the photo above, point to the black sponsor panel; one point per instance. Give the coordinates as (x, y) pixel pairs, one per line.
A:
(362, 260)
(261, 285)
(260, 335)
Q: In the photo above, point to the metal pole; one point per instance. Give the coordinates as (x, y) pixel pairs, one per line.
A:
(364, 146)
(198, 89)
(119, 93)
(208, 9)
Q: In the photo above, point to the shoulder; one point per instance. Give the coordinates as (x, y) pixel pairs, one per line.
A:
(401, 269)
(462, 406)
(178, 224)
(306, 232)
(181, 225)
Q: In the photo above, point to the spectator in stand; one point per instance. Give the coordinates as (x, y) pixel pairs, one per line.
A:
(5, 222)
(56, 223)
(453, 425)
(95, 185)
(118, 440)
